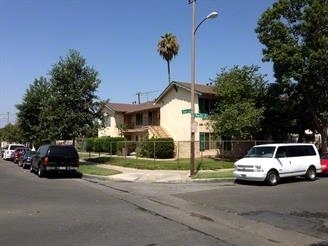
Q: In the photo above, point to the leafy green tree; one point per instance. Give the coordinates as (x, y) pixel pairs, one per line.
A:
(239, 110)
(295, 36)
(75, 110)
(279, 113)
(285, 113)
(32, 116)
(12, 133)
(168, 47)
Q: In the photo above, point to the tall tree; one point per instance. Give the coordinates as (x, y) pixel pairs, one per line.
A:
(239, 111)
(295, 36)
(168, 47)
(74, 106)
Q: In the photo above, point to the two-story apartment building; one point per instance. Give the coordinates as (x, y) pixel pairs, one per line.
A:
(133, 121)
(167, 116)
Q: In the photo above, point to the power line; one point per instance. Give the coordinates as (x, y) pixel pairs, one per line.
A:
(146, 93)
(7, 118)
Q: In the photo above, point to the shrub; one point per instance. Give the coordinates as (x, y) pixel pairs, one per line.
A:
(106, 144)
(97, 145)
(114, 145)
(161, 148)
(89, 142)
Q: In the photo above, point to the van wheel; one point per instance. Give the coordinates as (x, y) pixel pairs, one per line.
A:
(311, 174)
(272, 178)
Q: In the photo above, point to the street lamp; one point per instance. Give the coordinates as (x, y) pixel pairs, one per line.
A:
(193, 124)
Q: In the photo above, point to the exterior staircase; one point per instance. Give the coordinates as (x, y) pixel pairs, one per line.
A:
(158, 132)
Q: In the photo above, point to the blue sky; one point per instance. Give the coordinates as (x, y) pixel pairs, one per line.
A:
(119, 40)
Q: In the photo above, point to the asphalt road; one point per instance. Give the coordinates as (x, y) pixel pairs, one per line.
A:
(69, 211)
(72, 211)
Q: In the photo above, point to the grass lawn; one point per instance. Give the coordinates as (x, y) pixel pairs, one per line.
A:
(150, 164)
(94, 170)
(204, 168)
(214, 174)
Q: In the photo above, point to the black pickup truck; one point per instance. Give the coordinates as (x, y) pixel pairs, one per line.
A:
(55, 158)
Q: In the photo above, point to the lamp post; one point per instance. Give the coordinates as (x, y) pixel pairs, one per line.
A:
(193, 124)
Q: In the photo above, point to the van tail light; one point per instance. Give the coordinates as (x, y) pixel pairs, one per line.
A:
(45, 161)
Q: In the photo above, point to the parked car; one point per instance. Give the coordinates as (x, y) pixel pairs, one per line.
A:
(3, 150)
(270, 162)
(57, 158)
(324, 162)
(16, 155)
(26, 159)
(10, 149)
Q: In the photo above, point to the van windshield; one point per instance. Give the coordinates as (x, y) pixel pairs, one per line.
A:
(261, 152)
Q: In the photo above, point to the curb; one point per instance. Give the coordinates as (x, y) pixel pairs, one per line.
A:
(208, 180)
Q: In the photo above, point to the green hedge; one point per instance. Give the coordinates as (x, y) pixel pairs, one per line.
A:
(161, 148)
(102, 144)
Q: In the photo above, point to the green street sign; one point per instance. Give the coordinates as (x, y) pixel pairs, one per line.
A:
(186, 111)
(201, 115)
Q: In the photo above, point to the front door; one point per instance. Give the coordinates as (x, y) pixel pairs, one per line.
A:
(284, 162)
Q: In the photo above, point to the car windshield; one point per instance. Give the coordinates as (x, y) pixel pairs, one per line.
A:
(13, 147)
(324, 156)
(261, 152)
(30, 153)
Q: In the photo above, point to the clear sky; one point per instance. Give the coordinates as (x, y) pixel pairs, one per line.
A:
(118, 38)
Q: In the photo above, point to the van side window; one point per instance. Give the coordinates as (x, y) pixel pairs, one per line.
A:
(304, 150)
(309, 150)
(281, 152)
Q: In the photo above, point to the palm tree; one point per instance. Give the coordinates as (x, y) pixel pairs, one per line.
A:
(168, 47)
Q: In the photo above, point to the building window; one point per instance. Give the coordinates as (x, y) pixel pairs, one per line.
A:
(107, 121)
(139, 119)
(150, 118)
(207, 141)
(206, 106)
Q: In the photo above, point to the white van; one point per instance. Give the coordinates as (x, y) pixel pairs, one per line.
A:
(270, 162)
(10, 149)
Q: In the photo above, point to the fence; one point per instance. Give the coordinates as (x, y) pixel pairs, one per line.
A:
(180, 149)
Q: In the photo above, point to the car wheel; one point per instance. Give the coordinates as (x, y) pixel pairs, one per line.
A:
(311, 174)
(272, 178)
(24, 165)
(41, 171)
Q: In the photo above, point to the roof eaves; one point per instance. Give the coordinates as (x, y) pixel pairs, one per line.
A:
(183, 85)
(143, 108)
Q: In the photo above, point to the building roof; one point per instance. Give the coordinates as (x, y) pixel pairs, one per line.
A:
(200, 89)
(131, 108)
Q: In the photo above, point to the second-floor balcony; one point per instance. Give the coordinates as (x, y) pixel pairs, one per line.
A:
(142, 119)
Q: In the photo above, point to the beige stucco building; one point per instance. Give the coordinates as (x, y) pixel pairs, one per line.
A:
(166, 117)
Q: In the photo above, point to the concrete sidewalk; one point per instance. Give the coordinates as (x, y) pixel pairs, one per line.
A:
(153, 176)
(140, 175)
